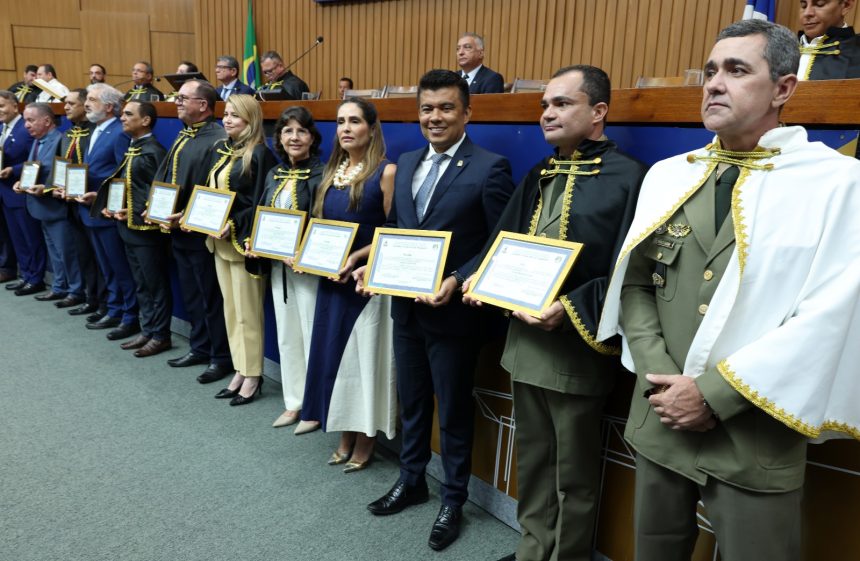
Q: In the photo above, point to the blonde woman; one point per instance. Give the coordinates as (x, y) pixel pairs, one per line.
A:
(240, 164)
(350, 378)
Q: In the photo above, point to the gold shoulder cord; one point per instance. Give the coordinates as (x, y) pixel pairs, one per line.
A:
(226, 161)
(285, 177)
(815, 50)
(76, 134)
(130, 154)
(184, 136)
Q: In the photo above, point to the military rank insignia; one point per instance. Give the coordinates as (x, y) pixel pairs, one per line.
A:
(658, 280)
(678, 230)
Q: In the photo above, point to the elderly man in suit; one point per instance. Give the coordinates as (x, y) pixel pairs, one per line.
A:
(736, 292)
(25, 233)
(106, 149)
(227, 73)
(470, 58)
(457, 186)
(68, 285)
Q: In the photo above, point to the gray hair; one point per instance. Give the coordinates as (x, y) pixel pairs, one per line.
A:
(478, 39)
(108, 95)
(229, 61)
(780, 50)
(42, 108)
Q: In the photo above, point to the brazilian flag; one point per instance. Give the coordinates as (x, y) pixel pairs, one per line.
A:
(250, 61)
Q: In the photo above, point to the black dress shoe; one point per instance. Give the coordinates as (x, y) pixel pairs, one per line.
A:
(15, 285)
(69, 301)
(399, 497)
(50, 297)
(240, 399)
(95, 317)
(227, 393)
(446, 529)
(189, 359)
(30, 288)
(214, 373)
(83, 310)
(124, 331)
(106, 322)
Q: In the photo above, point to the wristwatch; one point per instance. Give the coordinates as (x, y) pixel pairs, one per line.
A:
(457, 277)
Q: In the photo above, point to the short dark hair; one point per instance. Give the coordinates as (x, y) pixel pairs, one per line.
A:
(31, 68)
(229, 61)
(780, 50)
(9, 96)
(272, 55)
(595, 82)
(305, 119)
(438, 79)
(206, 91)
(191, 66)
(149, 68)
(82, 93)
(147, 109)
(104, 70)
(347, 79)
(49, 68)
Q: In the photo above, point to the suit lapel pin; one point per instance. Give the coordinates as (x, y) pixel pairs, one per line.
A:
(459, 163)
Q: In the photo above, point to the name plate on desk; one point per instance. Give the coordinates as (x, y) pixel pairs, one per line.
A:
(161, 202)
(406, 262)
(116, 195)
(76, 180)
(523, 273)
(208, 210)
(60, 166)
(325, 247)
(29, 173)
(277, 232)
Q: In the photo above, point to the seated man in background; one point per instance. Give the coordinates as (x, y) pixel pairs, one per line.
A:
(829, 49)
(47, 73)
(282, 83)
(143, 90)
(227, 74)
(470, 58)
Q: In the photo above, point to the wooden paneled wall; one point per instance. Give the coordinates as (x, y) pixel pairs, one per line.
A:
(395, 41)
(72, 34)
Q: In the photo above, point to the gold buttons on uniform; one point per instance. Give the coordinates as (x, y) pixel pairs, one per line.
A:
(709, 274)
(703, 309)
(659, 255)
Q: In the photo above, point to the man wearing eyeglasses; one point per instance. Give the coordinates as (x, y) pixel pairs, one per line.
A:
(186, 165)
(227, 73)
(282, 83)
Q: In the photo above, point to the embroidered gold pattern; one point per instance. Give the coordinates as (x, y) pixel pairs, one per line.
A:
(589, 339)
(184, 136)
(815, 50)
(779, 413)
(128, 162)
(227, 160)
(75, 134)
(286, 177)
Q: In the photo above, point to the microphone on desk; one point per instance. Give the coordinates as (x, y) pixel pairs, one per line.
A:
(301, 56)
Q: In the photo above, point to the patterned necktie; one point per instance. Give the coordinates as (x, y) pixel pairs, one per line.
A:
(225, 93)
(423, 195)
(723, 195)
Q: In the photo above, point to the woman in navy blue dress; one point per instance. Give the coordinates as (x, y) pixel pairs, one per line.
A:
(350, 383)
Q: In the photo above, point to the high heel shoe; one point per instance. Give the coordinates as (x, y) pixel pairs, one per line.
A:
(287, 418)
(227, 393)
(242, 400)
(352, 466)
(305, 427)
(338, 457)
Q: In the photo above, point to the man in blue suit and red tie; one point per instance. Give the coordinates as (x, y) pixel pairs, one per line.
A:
(25, 232)
(451, 185)
(105, 153)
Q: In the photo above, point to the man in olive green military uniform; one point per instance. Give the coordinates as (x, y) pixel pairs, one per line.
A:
(585, 192)
(727, 276)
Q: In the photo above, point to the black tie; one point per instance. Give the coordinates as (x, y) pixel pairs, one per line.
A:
(723, 195)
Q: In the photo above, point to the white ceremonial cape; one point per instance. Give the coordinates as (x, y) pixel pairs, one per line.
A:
(783, 327)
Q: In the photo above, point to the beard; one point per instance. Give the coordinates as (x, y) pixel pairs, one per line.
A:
(96, 116)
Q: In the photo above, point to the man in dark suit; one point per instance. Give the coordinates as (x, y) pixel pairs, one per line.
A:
(106, 150)
(282, 83)
(25, 233)
(187, 165)
(24, 90)
(68, 286)
(142, 74)
(470, 58)
(452, 185)
(829, 49)
(227, 73)
(145, 245)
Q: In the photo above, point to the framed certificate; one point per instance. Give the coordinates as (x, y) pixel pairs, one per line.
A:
(116, 195)
(161, 202)
(76, 180)
(60, 165)
(406, 262)
(523, 273)
(207, 210)
(277, 232)
(325, 247)
(29, 174)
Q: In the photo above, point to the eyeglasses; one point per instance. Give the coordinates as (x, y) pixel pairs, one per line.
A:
(222, 67)
(180, 99)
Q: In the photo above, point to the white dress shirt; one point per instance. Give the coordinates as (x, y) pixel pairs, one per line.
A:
(424, 168)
